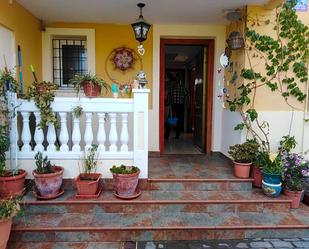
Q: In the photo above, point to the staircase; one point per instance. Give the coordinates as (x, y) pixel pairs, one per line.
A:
(189, 208)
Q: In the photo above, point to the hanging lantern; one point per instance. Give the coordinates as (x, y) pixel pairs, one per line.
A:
(141, 28)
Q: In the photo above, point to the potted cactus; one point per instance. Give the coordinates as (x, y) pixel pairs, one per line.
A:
(243, 155)
(47, 177)
(87, 183)
(91, 84)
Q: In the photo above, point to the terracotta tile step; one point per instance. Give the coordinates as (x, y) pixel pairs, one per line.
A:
(66, 245)
(167, 201)
(96, 227)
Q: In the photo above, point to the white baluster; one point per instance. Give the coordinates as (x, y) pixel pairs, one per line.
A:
(64, 135)
(113, 136)
(51, 138)
(38, 135)
(101, 136)
(26, 135)
(124, 137)
(88, 131)
(76, 136)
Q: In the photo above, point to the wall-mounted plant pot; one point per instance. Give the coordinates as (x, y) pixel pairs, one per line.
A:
(13, 185)
(242, 170)
(48, 185)
(257, 176)
(271, 190)
(125, 184)
(295, 196)
(91, 90)
(88, 184)
(272, 178)
(5, 230)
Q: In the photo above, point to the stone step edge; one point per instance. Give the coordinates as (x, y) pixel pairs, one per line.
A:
(199, 180)
(149, 228)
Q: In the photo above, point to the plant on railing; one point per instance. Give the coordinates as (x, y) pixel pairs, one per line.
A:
(43, 165)
(43, 95)
(77, 111)
(284, 59)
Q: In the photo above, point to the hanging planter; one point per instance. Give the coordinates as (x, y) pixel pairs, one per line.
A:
(235, 40)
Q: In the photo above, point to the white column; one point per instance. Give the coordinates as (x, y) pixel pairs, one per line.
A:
(38, 135)
(88, 131)
(25, 134)
(113, 136)
(76, 136)
(124, 137)
(51, 138)
(140, 130)
(64, 135)
(101, 136)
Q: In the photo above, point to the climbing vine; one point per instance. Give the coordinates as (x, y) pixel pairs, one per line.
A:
(284, 61)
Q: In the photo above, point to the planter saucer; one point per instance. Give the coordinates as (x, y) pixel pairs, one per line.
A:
(39, 197)
(137, 193)
(95, 196)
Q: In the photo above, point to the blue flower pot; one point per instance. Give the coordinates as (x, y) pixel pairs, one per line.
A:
(271, 190)
(272, 178)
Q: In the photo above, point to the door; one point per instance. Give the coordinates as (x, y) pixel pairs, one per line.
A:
(199, 101)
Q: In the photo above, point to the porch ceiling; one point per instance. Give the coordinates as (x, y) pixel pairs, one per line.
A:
(125, 11)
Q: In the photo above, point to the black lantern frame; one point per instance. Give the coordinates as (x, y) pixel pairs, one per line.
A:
(141, 27)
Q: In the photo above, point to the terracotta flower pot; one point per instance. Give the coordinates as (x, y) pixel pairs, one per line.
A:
(295, 196)
(88, 184)
(91, 90)
(242, 170)
(126, 184)
(12, 186)
(257, 175)
(5, 229)
(49, 185)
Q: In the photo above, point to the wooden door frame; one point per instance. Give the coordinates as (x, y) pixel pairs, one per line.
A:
(210, 43)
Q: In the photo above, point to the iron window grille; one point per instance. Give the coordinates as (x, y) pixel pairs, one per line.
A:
(69, 58)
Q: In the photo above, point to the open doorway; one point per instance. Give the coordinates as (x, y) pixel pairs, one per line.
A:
(186, 96)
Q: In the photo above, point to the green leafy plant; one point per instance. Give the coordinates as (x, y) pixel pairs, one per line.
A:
(77, 111)
(122, 169)
(261, 159)
(43, 165)
(4, 146)
(287, 143)
(244, 153)
(79, 80)
(43, 95)
(9, 208)
(284, 59)
(90, 161)
(274, 165)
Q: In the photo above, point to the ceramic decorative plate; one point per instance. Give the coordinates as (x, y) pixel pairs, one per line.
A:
(123, 58)
(224, 60)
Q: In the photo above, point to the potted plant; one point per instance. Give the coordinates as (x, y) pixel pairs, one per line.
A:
(8, 209)
(91, 83)
(258, 163)
(87, 183)
(12, 180)
(47, 177)
(296, 170)
(243, 155)
(125, 180)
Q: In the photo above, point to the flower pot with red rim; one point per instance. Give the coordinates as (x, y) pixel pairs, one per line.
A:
(125, 184)
(91, 89)
(48, 185)
(12, 185)
(87, 184)
(242, 170)
(257, 176)
(5, 230)
(295, 196)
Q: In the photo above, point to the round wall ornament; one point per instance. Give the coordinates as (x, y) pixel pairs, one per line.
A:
(123, 58)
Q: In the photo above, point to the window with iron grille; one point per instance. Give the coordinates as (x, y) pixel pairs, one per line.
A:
(69, 58)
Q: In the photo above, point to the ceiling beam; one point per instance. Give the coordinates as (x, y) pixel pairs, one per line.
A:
(273, 4)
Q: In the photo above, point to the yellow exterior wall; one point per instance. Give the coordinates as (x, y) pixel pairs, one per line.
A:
(27, 34)
(109, 37)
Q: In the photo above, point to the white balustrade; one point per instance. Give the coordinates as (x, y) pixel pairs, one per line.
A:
(26, 135)
(88, 131)
(101, 136)
(76, 136)
(124, 137)
(64, 135)
(38, 134)
(129, 117)
(113, 136)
